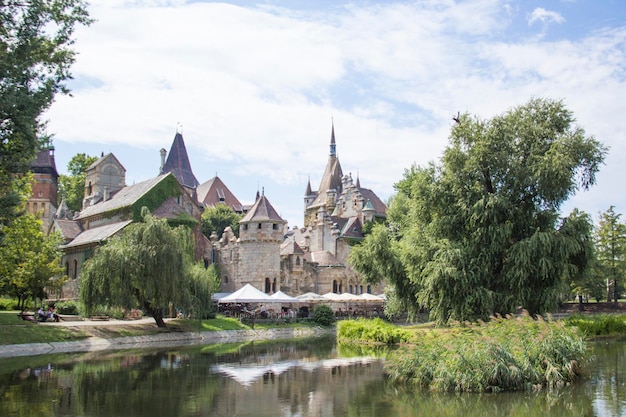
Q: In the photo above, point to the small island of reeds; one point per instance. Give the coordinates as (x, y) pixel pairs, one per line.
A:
(503, 354)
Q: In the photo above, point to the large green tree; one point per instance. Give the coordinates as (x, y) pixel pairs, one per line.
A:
(150, 265)
(610, 239)
(479, 233)
(29, 260)
(35, 60)
(216, 219)
(73, 185)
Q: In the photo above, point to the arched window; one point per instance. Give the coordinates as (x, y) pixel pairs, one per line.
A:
(67, 269)
(75, 274)
(274, 285)
(268, 285)
(350, 289)
(335, 286)
(297, 261)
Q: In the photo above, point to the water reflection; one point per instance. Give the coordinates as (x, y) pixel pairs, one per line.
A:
(309, 378)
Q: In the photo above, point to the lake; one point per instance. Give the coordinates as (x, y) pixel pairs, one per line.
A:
(296, 378)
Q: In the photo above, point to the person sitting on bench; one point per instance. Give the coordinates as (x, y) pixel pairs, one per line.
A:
(41, 315)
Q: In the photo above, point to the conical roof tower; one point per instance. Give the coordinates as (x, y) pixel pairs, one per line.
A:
(178, 164)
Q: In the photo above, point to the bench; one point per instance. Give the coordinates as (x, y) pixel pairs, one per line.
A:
(99, 318)
(70, 317)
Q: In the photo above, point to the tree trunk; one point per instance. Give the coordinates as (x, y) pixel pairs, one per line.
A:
(156, 313)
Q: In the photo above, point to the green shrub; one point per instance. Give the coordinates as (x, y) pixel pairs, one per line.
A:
(8, 304)
(323, 315)
(66, 307)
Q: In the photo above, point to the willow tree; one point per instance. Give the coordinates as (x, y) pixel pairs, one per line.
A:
(148, 265)
(480, 232)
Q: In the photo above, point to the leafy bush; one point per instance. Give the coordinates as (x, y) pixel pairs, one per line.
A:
(323, 315)
(8, 304)
(66, 307)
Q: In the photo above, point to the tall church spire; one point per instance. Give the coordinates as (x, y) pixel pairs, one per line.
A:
(333, 146)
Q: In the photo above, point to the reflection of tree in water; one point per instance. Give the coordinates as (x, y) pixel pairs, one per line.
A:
(153, 384)
(609, 380)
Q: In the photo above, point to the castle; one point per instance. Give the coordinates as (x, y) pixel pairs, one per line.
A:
(266, 254)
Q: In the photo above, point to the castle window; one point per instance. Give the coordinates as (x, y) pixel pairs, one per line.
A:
(268, 285)
(297, 261)
(67, 269)
(245, 227)
(274, 226)
(75, 269)
(225, 278)
(260, 226)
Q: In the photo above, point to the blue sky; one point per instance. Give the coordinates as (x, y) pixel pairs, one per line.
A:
(255, 86)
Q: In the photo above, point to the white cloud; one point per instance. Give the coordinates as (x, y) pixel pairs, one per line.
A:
(544, 16)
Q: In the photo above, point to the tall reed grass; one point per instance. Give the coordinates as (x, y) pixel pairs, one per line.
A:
(371, 331)
(598, 325)
(509, 354)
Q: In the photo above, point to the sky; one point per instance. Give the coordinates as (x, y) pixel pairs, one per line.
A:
(255, 86)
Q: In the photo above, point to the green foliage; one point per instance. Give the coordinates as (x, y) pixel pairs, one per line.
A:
(502, 355)
(35, 58)
(29, 261)
(167, 187)
(72, 186)
(371, 331)
(610, 243)
(479, 233)
(596, 325)
(323, 315)
(204, 283)
(67, 307)
(148, 264)
(7, 303)
(216, 219)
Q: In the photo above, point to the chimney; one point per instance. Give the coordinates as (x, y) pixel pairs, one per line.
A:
(106, 193)
(163, 154)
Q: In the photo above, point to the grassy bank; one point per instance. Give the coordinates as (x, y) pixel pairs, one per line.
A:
(13, 330)
(501, 355)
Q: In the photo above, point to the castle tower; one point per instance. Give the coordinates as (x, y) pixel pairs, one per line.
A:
(43, 200)
(330, 186)
(103, 179)
(260, 237)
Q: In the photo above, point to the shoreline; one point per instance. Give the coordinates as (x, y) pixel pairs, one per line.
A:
(172, 339)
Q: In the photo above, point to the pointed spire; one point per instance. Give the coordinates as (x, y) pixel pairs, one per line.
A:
(358, 181)
(333, 146)
(308, 187)
(178, 163)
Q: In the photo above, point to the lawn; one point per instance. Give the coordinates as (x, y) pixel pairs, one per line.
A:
(14, 330)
